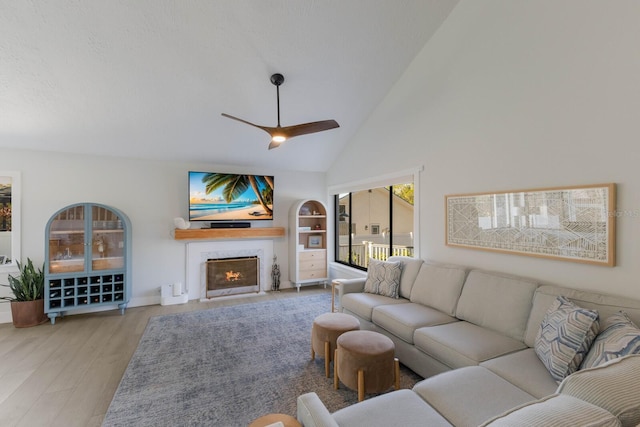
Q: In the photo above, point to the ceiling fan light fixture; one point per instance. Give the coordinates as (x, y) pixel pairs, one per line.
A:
(278, 138)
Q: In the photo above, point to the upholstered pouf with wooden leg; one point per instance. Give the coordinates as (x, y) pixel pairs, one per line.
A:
(365, 361)
(325, 331)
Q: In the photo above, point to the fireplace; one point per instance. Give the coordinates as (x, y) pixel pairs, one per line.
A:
(232, 276)
(199, 254)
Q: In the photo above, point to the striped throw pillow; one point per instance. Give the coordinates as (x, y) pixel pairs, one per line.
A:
(619, 337)
(565, 336)
(614, 386)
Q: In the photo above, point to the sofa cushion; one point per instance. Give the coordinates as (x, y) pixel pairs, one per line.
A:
(619, 337)
(362, 304)
(555, 411)
(605, 305)
(410, 269)
(399, 408)
(496, 301)
(525, 370)
(566, 334)
(438, 286)
(461, 344)
(403, 319)
(383, 278)
(614, 386)
(469, 396)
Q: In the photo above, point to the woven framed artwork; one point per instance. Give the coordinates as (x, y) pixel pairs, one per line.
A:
(567, 223)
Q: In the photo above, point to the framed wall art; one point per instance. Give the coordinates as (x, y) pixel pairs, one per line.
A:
(9, 220)
(568, 223)
(315, 241)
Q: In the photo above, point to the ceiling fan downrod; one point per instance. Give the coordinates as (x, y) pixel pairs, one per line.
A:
(277, 79)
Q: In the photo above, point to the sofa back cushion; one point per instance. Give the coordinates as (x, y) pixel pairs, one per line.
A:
(438, 286)
(614, 386)
(497, 301)
(605, 305)
(410, 269)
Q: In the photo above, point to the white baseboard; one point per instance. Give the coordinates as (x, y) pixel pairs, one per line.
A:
(5, 316)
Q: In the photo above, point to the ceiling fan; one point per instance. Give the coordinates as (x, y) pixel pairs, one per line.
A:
(280, 134)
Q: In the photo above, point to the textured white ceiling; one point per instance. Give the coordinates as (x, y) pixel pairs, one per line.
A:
(150, 78)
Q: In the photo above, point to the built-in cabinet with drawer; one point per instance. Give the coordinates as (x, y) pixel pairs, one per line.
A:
(308, 243)
(87, 259)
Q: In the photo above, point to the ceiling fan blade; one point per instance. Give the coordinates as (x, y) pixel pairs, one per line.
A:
(273, 144)
(270, 130)
(264, 128)
(297, 130)
(307, 128)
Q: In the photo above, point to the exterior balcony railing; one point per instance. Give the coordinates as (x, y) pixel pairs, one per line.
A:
(361, 253)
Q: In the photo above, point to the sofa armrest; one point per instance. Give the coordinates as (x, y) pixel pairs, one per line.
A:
(348, 286)
(313, 413)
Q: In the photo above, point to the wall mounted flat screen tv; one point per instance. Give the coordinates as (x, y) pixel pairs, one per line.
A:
(217, 196)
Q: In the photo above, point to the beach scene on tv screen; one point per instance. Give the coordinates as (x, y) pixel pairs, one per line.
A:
(222, 196)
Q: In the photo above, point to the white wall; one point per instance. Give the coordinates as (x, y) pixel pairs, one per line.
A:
(513, 95)
(150, 193)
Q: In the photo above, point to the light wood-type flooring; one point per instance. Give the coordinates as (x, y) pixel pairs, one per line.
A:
(66, 374)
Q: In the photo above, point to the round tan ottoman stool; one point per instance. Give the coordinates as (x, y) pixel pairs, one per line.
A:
(267, 420)
(365, 361)
(325, 331)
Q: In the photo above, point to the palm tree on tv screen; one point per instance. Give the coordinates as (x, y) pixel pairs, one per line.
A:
(234, 185)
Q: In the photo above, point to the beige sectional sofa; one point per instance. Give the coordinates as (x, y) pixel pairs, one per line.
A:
(472, 335)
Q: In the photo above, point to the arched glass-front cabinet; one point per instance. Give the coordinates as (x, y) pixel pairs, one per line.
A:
(87, 259)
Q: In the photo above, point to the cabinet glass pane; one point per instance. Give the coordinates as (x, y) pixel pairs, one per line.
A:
(107, 248)
(66, 241)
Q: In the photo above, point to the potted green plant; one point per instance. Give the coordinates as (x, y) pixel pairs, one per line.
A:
(27, 302)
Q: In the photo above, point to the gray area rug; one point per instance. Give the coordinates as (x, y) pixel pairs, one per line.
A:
(227, 366)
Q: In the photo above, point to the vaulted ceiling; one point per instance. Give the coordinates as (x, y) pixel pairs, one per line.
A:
(150, 78)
